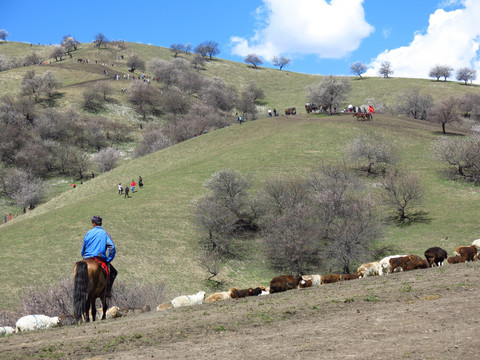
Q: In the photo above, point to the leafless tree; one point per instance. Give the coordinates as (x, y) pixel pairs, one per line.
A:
(153, 139)
(373, 150)
(144, 97)
(330, 92)
(177, 48)
(463, 153)
(22, 187)
(281, 62)
(175, 101)
(446, 112)
(254, 60)
(439, 71)
(70, 43)
(385, 69)
(218, 95)
(78, 163)
(32, 85)
(3, 34)
(5, 63)
(197, 60)
(107, 158)
(50, 84)
(466, 74)
(469, 105)
(92, 100)
(414, 104)
(209, 48)
(402, 191)
(134, 62)
(32, 59)
(211, 261)
(104, 89)
(100, 40)
(247, 100)
(358, 68)
(58, 52)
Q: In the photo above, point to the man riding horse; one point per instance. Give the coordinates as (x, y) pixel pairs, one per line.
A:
(98, 244)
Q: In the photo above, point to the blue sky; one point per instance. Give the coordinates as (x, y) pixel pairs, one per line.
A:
(319, 36)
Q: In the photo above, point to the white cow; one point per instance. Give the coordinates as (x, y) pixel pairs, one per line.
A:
(369, 269)
(476, 243)
(385, 265)
(6, 330)
(316, 279)
(224, 295)
(187, 300)
(36, 322)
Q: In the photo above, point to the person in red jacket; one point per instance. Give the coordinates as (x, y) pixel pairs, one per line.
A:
(132, 186)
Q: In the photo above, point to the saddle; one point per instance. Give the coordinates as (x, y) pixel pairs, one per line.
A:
(103, 265)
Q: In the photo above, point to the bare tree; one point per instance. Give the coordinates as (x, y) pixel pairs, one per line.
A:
(218, 95)
(402, 191)
(373, 150)
(57, 52)
(50, 84)
(466, 74)
(281, 62)
(358, 68)
(177, 48)
(175, 101)
(414, 104)
(100, 40)
(106, 159)
(247, 100)
(144, 97)
(330, 92)
(22, 187)
(134, 62)
(469, 105)
(104, 89)
(461, 153)
(3, 34)
(253, 59)
(385, 69)
(197, 61)
(211, 48)
(32, 85)
(69, 43)
(439, 71)
(446, 112)
(153, 139)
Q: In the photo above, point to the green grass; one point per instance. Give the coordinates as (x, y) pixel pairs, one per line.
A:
(153, 230)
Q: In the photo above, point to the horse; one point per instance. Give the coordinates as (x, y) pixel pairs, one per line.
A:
(90, 283)
(368, 116)
(359, 115)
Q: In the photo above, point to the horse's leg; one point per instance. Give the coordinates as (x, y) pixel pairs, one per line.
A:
(92, 307)
(104, 307)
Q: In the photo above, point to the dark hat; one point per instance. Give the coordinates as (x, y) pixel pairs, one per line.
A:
(97, 220)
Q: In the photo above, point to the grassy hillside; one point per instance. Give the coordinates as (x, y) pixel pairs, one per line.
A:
(153, 230)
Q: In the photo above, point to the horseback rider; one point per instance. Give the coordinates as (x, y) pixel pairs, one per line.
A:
(98, 244)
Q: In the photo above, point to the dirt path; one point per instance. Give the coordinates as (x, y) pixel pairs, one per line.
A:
(423, 314)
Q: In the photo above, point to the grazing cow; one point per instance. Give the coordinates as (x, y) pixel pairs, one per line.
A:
(385, 264)
(316, 279)
(346, 277)
(435, 256)
(398, 262)
(236, 294)
(218, 296)
(368, 269)
(331, 278)
(284, 283)
(455, 259)
(305, 283)
(415, 262)
(36, 322)
(6, 330)
(187, 300)
(112, 312)
(469, 253)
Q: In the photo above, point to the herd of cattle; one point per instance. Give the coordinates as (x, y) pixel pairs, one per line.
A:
(434, 256)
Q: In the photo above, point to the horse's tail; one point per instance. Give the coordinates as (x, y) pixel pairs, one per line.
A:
(80, 287)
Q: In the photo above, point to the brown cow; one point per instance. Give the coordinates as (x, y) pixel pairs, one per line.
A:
(331, 278)
(455, 259)
(398, 262)
(469, 253)
(284, 283)
(415, 262)
(435, 256)
(236, 294)
(346, 277)
(305, 283)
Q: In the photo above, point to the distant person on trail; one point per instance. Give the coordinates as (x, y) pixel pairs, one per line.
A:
(140, 182)
(120, 189)
(240, 120)
(127, 190)
(132, 185)
(98, 244)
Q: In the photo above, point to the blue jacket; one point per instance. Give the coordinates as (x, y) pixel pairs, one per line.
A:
(97, 242)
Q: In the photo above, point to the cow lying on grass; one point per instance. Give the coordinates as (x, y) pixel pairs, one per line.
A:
(457, 259)
(36, 322)
(6, 330)
(469, 253)
(187, 300)
(284, 282)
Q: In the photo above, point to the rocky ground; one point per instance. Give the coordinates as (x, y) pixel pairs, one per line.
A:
(421, 314)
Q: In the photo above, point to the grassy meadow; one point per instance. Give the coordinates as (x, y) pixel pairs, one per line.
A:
(153, 229)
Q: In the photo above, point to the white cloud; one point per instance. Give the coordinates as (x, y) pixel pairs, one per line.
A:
(329, 29)
(452, 38)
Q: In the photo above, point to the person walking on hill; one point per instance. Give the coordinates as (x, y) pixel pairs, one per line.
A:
(120, 189)
(140, 182)
(98, 244)
(132, 185)
(127, 190)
